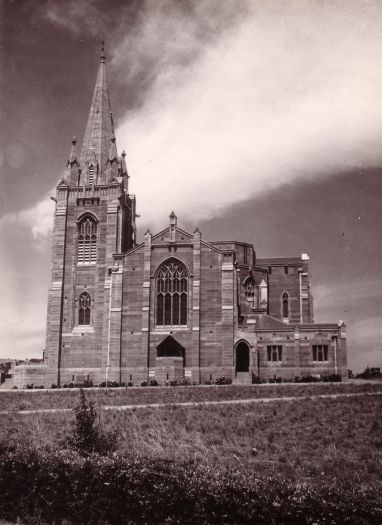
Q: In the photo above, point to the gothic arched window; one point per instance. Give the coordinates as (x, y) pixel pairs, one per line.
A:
(84, 308)
(171, 293)
(87, 241)
(250, 290)
(285, 305)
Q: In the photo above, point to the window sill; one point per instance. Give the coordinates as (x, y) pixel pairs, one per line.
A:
(87, 264)
(83, 329)
(172, 327)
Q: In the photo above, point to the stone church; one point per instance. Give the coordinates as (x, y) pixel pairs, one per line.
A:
(174, 306)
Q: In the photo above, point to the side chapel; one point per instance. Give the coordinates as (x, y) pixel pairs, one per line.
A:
(174, 306)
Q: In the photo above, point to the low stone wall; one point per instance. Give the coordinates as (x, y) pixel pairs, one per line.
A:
(28, 374)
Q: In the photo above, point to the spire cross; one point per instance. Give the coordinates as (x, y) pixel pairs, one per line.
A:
(102, 58)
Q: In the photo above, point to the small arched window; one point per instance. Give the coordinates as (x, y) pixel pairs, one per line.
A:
(84, 308)
(87, 241)
(285, 305)
(171, 293)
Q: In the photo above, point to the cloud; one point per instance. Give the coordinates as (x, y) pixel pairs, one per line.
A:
(76, 16)
(38, 219)
(276, 97)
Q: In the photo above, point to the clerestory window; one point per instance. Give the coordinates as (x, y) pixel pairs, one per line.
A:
(87, 241)
(171, 294)
(84, 309)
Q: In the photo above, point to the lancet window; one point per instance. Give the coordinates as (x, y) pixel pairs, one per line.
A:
(285, 305)
(171, 293)
(84, 309)
(87, 241)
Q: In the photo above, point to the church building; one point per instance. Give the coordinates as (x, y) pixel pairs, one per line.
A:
(175, 306)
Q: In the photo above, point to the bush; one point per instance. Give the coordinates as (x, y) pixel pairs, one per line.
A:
(55, 486)
(307, 379)
(223, 380)
(109, 384)
(332, 378)
(143, 383)
(154, 382)
(130, 383)
(256, 379)
(87, 437)
(53, 386)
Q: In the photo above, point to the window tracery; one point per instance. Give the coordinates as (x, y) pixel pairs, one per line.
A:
(172, 294)
(250, 291)
(84, 309)
(87, 241)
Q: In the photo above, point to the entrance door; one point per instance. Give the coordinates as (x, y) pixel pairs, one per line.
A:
(242, 357)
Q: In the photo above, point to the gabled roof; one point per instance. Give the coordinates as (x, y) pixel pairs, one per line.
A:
(267, 322)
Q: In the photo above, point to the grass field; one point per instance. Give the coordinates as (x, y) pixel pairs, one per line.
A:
(34, 399)
(306, 438)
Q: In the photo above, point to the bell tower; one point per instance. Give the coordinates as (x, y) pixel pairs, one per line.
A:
(94, 223)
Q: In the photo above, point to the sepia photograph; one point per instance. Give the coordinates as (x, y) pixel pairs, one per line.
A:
(191, 262)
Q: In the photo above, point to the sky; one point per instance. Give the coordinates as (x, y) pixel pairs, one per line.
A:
(256, 121)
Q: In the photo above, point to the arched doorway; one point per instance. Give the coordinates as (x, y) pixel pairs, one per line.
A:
(242, 357)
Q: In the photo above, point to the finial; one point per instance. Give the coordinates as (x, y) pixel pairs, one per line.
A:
(102, 58)
(113, 138)
(123, 153)
(74, 140)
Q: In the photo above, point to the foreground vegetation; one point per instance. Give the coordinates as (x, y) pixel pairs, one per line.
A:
(306, 461)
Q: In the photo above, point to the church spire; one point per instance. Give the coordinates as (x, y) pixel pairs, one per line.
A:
(99, 127)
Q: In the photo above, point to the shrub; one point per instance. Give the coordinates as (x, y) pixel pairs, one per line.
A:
(331, 378)
(223, 380)
(256, 379)
(153, 382)
(53, 386)
(130, 383)
(109, 384)
(87, 437)
(143, 383)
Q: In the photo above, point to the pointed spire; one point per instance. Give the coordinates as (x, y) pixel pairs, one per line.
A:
(72, 166)
(123, 164)
(113, 150)
(99, 127)
(73, 152)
